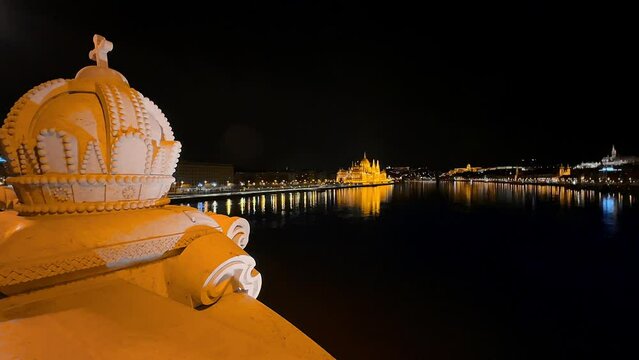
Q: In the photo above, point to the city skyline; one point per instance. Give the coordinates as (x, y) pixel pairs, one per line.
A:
(336, 80)
(523, 162)
(240, 182)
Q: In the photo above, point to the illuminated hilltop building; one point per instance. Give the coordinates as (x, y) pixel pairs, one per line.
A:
(467, 169)
(363, 172)
(609, 160)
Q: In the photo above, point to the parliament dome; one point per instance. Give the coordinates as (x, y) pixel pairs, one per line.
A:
(364, 161)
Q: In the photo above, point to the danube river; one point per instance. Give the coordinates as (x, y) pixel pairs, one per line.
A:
(449, 270)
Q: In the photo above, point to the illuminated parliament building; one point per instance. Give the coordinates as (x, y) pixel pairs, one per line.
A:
(363, 172)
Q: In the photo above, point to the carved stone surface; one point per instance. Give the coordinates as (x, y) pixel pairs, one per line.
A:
(61, 194)
(128, 192)
(59, 128)
(8, 198)
(111, 240)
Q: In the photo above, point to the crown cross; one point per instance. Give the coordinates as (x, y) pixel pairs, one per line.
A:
(99, 53)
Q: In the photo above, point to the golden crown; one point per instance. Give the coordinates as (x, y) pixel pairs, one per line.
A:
(91, 143)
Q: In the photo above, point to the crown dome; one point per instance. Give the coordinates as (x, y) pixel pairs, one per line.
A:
(92, 143)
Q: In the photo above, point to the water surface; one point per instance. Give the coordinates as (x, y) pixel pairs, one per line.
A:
(450, 270)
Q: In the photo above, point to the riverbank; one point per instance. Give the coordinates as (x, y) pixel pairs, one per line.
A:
(176, 196)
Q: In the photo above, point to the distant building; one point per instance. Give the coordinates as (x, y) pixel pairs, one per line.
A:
(398, 172)
(564, 171)
(615, 159)
(206, 174)
(363, 172)
(312, 175)
(609, 160)
(266, 176)
(467, 169)
(285, 176)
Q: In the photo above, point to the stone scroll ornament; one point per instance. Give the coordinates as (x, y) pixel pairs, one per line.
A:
(210, 267)
(236, 228)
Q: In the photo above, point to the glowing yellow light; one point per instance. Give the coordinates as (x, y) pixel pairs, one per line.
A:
(367, 199)
(305, 201)
(274, 203)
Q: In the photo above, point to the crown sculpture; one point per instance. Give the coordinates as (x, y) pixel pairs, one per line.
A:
(89, 144)
(91, 162)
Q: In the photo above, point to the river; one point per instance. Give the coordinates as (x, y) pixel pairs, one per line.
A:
(449, 270)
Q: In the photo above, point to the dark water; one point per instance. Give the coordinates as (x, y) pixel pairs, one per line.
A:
(451, 271)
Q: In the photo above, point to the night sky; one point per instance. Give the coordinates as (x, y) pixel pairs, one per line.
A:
(314, 84)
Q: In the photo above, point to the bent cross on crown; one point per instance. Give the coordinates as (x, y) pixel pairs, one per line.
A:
(99, 53)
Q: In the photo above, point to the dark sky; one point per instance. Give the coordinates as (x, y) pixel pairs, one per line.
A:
(312, 84)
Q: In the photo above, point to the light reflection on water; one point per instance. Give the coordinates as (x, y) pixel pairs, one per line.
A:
(484, 193)
(364, 201)
(368, 201)
(481, 194)
(610, 205)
